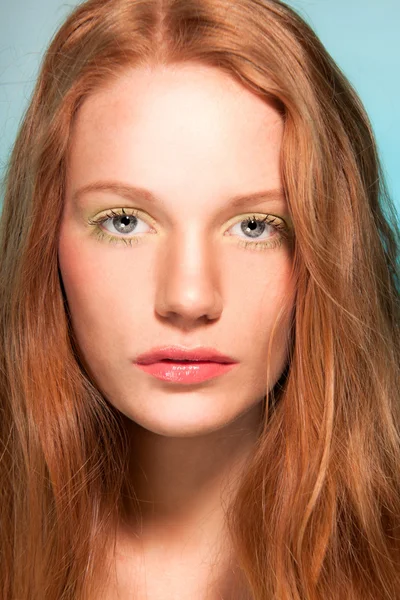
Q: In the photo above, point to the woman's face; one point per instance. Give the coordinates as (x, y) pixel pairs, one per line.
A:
(185, 265)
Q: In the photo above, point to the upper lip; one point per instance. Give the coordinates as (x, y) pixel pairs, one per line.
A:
(180, 353)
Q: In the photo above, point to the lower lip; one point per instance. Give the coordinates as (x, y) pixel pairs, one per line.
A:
(186, 373)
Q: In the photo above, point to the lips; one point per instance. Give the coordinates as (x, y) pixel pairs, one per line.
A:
(179, 354)
(183, 366)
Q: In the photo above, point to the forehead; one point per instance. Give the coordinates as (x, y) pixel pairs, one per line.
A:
(168, 124)
(175, 88)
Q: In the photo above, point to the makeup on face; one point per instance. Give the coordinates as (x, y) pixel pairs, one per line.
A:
(176, 238)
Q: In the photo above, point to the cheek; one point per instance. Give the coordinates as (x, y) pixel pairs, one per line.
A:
(262, 290)
(103, 292)
(81, 274)
(273, 328)
(272, 316)
(91, 271)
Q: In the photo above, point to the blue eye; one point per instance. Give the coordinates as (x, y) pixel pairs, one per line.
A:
(125, 223)
(122, 223)
(262, 233)
(254, 228)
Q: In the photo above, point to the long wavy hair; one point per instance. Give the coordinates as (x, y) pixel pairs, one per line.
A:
(317, 514)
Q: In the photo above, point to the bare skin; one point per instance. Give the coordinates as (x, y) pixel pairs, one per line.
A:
(196, 139)
(178, 540)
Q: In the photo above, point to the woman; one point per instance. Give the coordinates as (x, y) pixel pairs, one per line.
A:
(199, 317)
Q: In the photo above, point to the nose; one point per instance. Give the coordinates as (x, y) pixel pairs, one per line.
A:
(188, 283)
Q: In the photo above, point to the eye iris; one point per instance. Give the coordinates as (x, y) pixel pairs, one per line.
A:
(125, 223)
(250, 226)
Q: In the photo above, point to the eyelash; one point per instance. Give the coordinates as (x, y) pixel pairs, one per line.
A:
(283, 231)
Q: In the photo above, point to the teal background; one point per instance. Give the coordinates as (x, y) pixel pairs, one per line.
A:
(361, 35)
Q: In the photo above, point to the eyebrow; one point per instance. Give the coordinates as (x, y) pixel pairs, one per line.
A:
(135, 193)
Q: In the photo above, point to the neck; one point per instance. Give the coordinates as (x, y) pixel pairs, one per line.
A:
(183, 487)
(184, 484)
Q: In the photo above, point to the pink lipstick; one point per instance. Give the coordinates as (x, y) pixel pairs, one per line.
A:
(183, 365)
